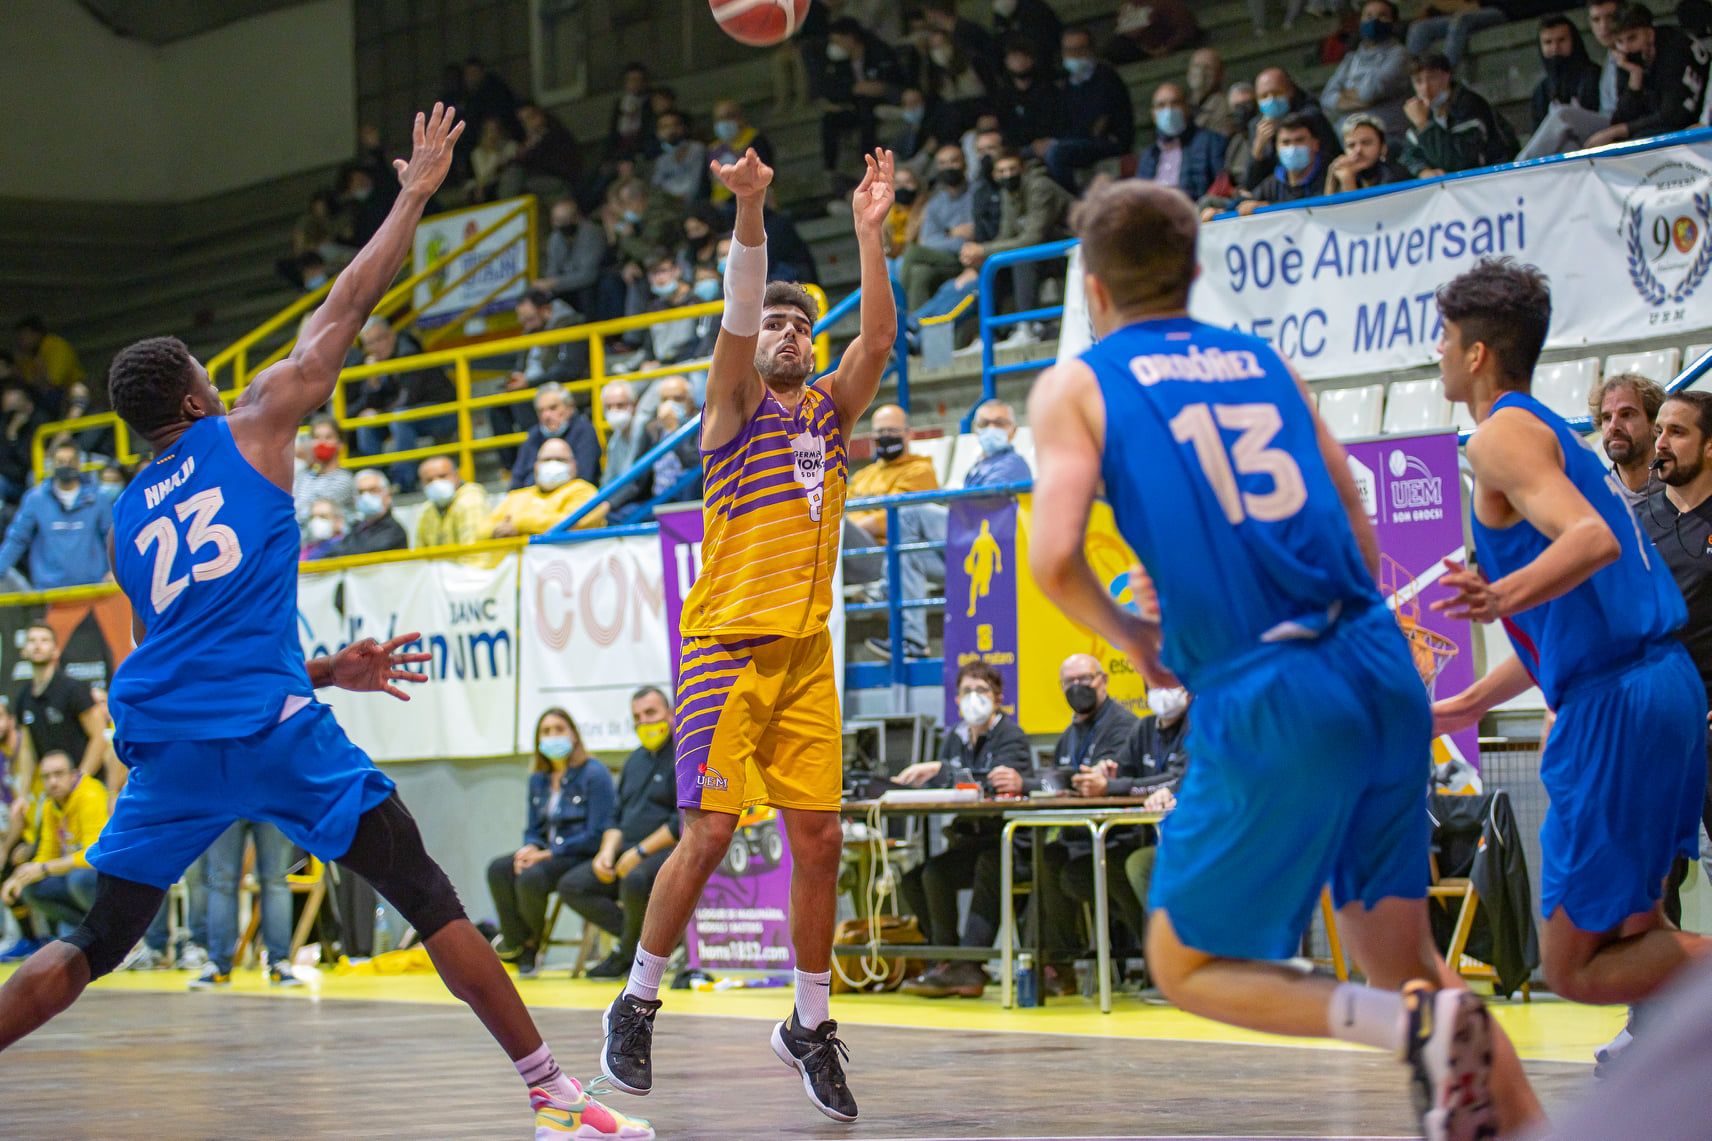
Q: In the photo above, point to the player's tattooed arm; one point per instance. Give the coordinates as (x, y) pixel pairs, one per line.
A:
(369, 666)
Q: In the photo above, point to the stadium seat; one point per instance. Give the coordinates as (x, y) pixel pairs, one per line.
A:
(1416, 406)
(1563, 387)
(963, 457)
(1657, 365)
(938, 449)
(1693, 353)
(1351, 413)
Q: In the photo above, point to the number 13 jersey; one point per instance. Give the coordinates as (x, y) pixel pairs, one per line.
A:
(205, 547)
(1216, 481)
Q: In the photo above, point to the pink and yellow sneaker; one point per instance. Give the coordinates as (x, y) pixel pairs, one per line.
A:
(587, 1120)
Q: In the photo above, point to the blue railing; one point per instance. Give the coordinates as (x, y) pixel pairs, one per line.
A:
(990, 320)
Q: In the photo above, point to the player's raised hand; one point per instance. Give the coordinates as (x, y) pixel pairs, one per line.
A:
(432, 140)
(1475, 599)
(872, 200)
(747, 178)
(369, 666)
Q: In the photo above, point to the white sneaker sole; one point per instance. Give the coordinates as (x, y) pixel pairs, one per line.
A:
(590, 1133)
(789, 1059)
(1459, 1056)
(606, 1032)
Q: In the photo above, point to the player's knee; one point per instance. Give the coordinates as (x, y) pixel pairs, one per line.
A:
(1566, 975)
(122, 911)
(388, 852)
(707, 835)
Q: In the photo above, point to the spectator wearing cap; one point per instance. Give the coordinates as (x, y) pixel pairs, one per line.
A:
(1662, 80)
(1375, 76)
(1099, 120)
(1365, 160)
(1184, 156)
(1451, 127)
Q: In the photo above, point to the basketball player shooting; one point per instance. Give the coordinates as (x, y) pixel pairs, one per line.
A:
(757, 718)
(215, 709)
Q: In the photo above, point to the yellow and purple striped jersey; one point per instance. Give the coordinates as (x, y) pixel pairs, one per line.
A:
(772, 515)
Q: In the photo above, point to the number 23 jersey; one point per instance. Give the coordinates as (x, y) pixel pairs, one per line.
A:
(1216, 480)
(205, 547)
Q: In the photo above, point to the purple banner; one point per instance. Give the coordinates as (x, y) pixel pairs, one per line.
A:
(743, 919)
(1413, 492)
(680, 562)
(981, 594)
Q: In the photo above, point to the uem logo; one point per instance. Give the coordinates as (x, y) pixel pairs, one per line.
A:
(1413, 483)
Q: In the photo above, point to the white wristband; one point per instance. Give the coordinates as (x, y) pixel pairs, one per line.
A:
(745, 286)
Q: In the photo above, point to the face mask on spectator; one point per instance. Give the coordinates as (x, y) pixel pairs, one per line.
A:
(320, 529)
(725, 130)
(1275, 106)
(1170, 121)
(1295, 159)
(1012, 184)
(66, 475)
(1376, 31)
(1079, 69)
(633, 216)
(888, 447)
(707, 289)
(111, 488)
(941, 56)
(1244, 113)
(369, 505)
(618, 418)
(654, 734)
(325, 451)
(664, 288)
(440, 492)
(992, 440)
(720, 265)
(555, 748)
(1168, 704)
(837, 53)
(550, 475)
(1082, 698)
(1004, 9)
(914, 115)
(903, 195)
(1639, 59)
(976, 708)
(315, 281)
(669, 138)
(677, 408)
(952, 178)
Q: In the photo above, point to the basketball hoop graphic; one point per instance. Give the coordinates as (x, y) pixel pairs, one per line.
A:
(1431, 650)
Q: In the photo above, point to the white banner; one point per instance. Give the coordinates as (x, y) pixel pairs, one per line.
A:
(467, 617)
(593, 631)
(440, 234)
(1347, 288)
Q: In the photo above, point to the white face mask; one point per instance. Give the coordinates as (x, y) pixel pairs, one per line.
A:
(550, 475)
(618, 418)
(440, 491)
(976, 708)
(1168, 704)
(837, 53)
(1004, 8)
(320, 528)
(941, 56)
(369, 505)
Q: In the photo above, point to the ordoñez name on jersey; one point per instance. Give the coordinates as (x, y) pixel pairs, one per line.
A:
(1196, 364)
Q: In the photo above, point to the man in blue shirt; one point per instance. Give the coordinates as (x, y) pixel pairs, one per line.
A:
(948, 221)
(62, 525)
(1000, 463)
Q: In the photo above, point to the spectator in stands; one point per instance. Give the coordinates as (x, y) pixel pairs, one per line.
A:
(1209, 106)
(611, 890)
(947, 223)
(1625, 408)
(1570, 77)
(493, 152)
(632, 124)
(1032, 21)
(626, 431)
(486, 95)
(398, 392)
(546, 163)
(48, 361)
(969, 38)
(733, 136)
(1183, 156)
(113, 479)
(318, 230)
(364, 207)
(912, 140)
(1032, 209)
(61, 527)
(1099, 121)
(904, 220)
(1148, 29)
(1029, 99)
(958, 84)
(1000, 463)
(895, 470)
(638, 221)
(1375, 76)
(1301, 170)
(680, 167)
(669, 480)
(58, 884)
(1452, 21)
(56, 711)
(1365, 160)
(323, 477)
(225, 871)
(1451, 127)
(788, 256)
(861, 73)
(1566, 124)
(554, 494)
(700, 247)
(375, 530)
(989, 746)
(453, 511)
(539, 311)
(678, 339)
(985, 209)
(20, 416)
(1662, 85)
(570, 807)
(1151, 767)
(1277, 95)
(576, 249)
(323, 532)
(557, 418)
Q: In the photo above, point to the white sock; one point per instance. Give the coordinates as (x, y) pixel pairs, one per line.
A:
(814, 992)
(1368, 1016)
(645, 975)
(540, 1071)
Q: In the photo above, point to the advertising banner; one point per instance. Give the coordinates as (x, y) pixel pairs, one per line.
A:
(1347, 288)
(593, 632)
(94, 637)
(743, 918)
(440, 234)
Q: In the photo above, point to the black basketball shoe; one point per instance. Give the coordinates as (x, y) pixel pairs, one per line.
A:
(819, 1056)
(627, 1058)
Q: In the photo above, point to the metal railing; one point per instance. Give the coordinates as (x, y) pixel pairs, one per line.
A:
(992, 320)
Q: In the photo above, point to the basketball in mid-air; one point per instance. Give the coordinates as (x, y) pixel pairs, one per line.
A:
(759, 23)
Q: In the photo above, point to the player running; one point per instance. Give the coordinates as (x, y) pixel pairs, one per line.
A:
(1592, 612)
(215, 709)
(1312, 728)
(757, 719)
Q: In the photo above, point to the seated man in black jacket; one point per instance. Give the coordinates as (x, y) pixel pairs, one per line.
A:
(990, 747)
(1661, 79)
(374, 529)
(611, 891)
(1157, 759)
(395, 392)
(557, 417)
(1451, 127)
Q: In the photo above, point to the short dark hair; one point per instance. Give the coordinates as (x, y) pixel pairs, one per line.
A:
(659, 256)
(1391, 4)
(1702, 405)
(792, 294)
(62, 755)
(1139, 239)
(148, 381)
(540, 298)
(1430, 61)
(33, 323)
(845, 26)
(318, 420)
(43, 626)
(650, 690)
(1556, 20)
(1634, 16)
(1007, 152)
(1506, 305)
(1297, 121)
(981, 671)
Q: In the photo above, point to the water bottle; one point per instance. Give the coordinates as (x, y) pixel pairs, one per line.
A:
(1027, 993)
(383, 932)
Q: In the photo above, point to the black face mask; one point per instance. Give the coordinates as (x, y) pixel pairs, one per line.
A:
(1637, 58)
(1012, 184)
(888, 447)
(986, 168)
(904, 195)
(1082, 699)
(1556, 67)
(1244, 112)
(951, 179)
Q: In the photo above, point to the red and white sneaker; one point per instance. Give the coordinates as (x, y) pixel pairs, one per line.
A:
(587, 1120)
(1449, 1051)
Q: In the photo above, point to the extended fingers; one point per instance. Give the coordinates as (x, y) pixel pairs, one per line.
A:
(405, 675)
(402, 640)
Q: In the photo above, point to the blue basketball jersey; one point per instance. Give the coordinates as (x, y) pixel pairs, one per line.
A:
(205, 547)
(1611, 617)
(1216, 480)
